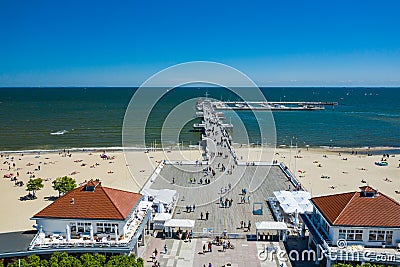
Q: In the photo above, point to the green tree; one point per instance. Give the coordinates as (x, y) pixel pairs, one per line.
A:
(64, 184)
(58, 259)
(34, 185)
(89, 260)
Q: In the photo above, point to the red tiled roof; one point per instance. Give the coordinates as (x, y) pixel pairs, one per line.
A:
(354, 209)
(102, 203)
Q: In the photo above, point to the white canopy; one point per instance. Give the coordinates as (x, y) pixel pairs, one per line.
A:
(162, 217)
(281, 195)
(288, 200)
(291, 208)
(271, 225)
(145, 205)
(301, 194)
(165, 196)
(183, 223)
(294, 201)
(306, 207)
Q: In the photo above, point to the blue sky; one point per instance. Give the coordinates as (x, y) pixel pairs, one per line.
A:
(106, 43)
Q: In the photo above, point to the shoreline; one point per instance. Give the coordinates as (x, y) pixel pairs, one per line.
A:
(344, 173)
(373, 150)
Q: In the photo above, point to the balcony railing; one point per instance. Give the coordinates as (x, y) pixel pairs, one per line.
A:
(125, 242)
(352, 252)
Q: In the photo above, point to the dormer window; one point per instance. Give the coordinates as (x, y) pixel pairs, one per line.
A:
(90, 188)
(368, 192)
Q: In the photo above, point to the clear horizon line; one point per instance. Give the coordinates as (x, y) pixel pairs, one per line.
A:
(189, 86)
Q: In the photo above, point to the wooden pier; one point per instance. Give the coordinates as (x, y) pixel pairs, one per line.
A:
(272, 106)
(227, 183)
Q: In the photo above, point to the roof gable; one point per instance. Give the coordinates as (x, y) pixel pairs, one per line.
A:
(102, 203)
(354, 209)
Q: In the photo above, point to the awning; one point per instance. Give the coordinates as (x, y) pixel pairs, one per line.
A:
(165, 196)
(271, 225)
(162, 217)
(291, 208)
(183, 223)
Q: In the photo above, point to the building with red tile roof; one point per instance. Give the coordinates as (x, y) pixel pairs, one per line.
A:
(92, 201)
(109, 220)
(366, 218)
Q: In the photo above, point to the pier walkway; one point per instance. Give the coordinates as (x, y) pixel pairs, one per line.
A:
(218, 177)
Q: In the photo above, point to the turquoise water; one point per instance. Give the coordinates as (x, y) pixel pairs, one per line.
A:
(93, 117)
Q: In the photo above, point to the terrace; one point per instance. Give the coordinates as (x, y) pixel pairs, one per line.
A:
(92, 241)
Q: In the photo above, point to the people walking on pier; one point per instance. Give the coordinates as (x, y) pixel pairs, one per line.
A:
(201, 216)
(207, 214)
(249, 225)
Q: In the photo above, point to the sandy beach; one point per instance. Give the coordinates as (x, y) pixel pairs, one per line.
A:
(329, 171)
(343, 173)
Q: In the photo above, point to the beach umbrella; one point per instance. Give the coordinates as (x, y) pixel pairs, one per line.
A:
(116, 232)
(91, 233)
(68, 233)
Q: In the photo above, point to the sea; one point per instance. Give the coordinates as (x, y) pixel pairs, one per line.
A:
(76, 118)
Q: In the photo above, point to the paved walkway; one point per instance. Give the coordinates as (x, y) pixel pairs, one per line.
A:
(227, 180)
(187, 254)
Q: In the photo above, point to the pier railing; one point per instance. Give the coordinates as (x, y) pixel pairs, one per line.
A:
(289, 174)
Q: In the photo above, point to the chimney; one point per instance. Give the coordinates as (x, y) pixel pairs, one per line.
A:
(72, 201)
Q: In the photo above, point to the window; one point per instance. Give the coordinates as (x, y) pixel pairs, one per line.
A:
(389, 237)
(106, 228)
(355, 235)
(342, 234)
(358, 235)
(380, 235)
(350, 235)
(83, 227)
(372, 235)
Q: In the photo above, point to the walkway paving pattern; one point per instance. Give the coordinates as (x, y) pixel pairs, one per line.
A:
(227, 180)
